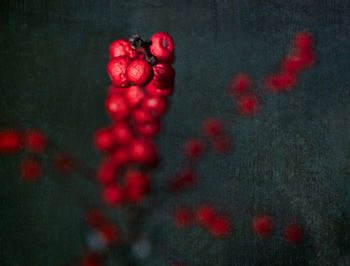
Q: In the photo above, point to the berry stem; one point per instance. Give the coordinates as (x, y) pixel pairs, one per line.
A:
(136, 42)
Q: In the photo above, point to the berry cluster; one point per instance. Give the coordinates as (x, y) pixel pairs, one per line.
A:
(142, 77)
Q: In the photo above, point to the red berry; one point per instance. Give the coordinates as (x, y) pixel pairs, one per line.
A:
(139, 72)
(240, 84)
(184, 179)
(121, 133)
(134, 95)
(205, 215)
(155, 91)
(120, 48)
(90, 259)
(35, 141)
(63, 163)
(162, 46)
(221, 144)
(140, 116)
(109, 233)
(113, 195)
(212, 127)
(121, 157)
(220, 227)
(281, 82)
(117, 107)
(293, 234)
(148, 130)
(292, 64)
(194, 148)
(136, 185)
(182, 217)
(31, 170)
(115, 90)
(248, 104)
(116, 69)
(303, 41)
(143, 151)
(106, 172)
(95, 218)
(263, 225)
(104, 140)
(155, 106)
(10, 141)
(164, 75)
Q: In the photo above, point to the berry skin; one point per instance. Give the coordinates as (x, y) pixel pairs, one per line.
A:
(103, 140)
(63, 163)
(140, 116)
(293, 234)
(184, 179)
(155, 106)
(164, 75)
(134, 95)
(120, 48)
(121, 157)
(10, 141)
(162, 46)
(155, 91)
(304, 42)
(194, 148)
(31, 170)
(117, 107)
(136, 186)
(35, 141)
(122, 133)
(263, 225)
(205, 215)
(220, 227)
(281, 82)
(149, 129)
(113, 195)
(248, 104)
(139, 72)
(241, 84)
(182, 217)
(212, 127)
(143, 151)
(106, 172)
(116, 69)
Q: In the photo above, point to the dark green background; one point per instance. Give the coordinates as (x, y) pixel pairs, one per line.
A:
(291, 160)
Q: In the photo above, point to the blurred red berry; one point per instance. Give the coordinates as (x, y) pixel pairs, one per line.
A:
(109, 233)
(139, 72)
(248, 104)
(303, 41)
(31, 170)
(140, 116)
(116, 69)
(143, 151)
(103, 140)
(184, 179)
(212, 127)
(35, 141)
(194, 148)
(156, 91)
(182, 217)
(220, 227)
(117, 107)
(122, 133)
(293, 234)
(120, 48)
(241, 83)
(63, 163)
(155, 106)
(134, 95)
(205, 215)
(221, 144)
(263, 225)
(162, 46)
(115, 90)
(121, 156)
(10, 141)
(136, 185)
(95, 218)
(106, 172)
(148, 130)
(281, 82)
(90, 259)
(164, 75)
(113, 195)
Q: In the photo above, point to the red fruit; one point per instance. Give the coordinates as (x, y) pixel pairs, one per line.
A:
(292, 64)
(155, 91)
(164, 75)
(134, 95)
(155, 106)
(140, 116)
(95, 218)
(240, 84)
(162, 46)
(104, 140)
(10, 141)
(220, 227)
(107, 172)
(303, 41)
(117, 107)
(248, 104)
(139, 72)
(263, 225)
(182, 217)
(31, 170)
(194, 148)
(109, 234)
(281, 82)
(212, 127)
(116, 69)
(143, 151)
(90, 259)
(136, 185)
(184, 179)
(63, 163)
(205, 215)
(221, 144)
(120, 48)
(113, 195)
(35, 141)
(149, 129)
(293, 234)
(121, 133)
(115, 90)
(121, 157)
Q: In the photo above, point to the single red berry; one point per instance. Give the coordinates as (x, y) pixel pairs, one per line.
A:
(220, 227)
(241, 83)
(155, 106)
(182, 217)
(134, 95)
(10, 141)
(103, 140)
(113, 195)
(155, 91)
(115, 90)
(212, 127)
(148, 130)
(194, 148)
(95, 218)
(90, 259)
(120, 48)
(221, 144)
(106, 172)
(248, 104)
(121, 156)
(31, 170)
(35, 141)
(184, 179)
(117, 107)
(137, 185)
(143, 151)
(205, 215)
(281, 82)
(139, 72)
(293, 234)
(109, 233)
(140, 116)
(63, 163)
(116, 69)
(162, 46)
(263, 225)
(307, 59)
(292, 64)
(304, 41)
(164, 75)
(122, 133)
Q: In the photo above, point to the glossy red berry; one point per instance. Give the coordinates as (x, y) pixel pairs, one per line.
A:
(205, 215)
(162, 46)
(156, 91)
(10, 141)
(113, 195)
(134, 95)
(117, 107)
(103, 140)
(293, 234)
(164, 75)
(262, 225)
(106, 172)
(63, 163)
(116, 69)
(220, 227)
(212, 127)
(242, 83)
(183, 217)
(148, 130)
(31, 170)
(121, 156)
(248, 104)
(121, 133)
(35, 141)
(194, 148)
(139, 72)
(143, 151)
(155, 106)
(120, 48)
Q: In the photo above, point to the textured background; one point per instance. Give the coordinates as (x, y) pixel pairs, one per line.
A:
(291, 160)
